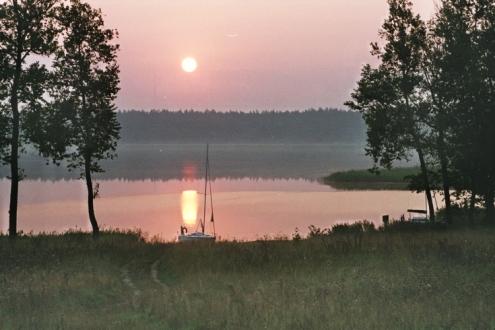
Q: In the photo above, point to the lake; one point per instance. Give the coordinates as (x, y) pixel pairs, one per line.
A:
(258, 190)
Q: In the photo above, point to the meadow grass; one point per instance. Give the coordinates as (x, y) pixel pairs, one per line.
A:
(394, 179)
(422, 278)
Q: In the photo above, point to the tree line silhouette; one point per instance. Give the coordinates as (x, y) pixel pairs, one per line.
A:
(433, 93)
(310, 126)
(65, 108)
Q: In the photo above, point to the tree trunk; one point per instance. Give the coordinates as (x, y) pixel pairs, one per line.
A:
(445, 177)
(489, 205)
(14, 143)
(426, 182)
(91, 197)
(424, 169)
(14, 167)
(472, 207)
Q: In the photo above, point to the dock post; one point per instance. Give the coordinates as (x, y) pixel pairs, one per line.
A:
(385, 220)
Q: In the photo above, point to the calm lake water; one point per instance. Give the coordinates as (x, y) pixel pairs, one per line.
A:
(258, 190)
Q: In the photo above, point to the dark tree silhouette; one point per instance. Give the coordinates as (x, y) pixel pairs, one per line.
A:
(26, 29)
(389, 96)
(434, 91)
(464, 35)
(444, 69)
(87, 75)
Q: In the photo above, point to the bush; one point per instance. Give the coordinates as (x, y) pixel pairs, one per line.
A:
(408, 226)
(315, 232)
(354, 228)
(296, 236)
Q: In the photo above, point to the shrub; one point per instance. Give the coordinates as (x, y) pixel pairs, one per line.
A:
(354, 228)
(318, 232)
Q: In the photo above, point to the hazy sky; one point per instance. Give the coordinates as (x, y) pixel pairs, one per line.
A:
(252, 54)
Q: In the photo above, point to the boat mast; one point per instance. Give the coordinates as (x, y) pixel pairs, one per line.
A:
(203, 223)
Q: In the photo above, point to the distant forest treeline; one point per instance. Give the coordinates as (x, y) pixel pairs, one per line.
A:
(310, 126)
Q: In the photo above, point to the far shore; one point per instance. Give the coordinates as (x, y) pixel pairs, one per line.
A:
(394, 179)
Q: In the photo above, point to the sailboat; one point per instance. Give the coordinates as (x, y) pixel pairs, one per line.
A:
(201, 231)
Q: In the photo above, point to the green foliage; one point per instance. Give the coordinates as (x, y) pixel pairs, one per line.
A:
(464, 79)
(315, 232)
(26, 34)
(87, 76)
(5, 126)
(49, 129)
(358, 227)
(404, 226)
(387, 96)
(390, 96)
(296, 236)
(26, 29)
(433, 92)
(353, 228)
(78, 122)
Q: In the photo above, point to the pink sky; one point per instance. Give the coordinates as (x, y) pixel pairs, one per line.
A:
(252, 54)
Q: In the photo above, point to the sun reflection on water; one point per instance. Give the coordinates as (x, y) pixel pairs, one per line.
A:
(189, 204)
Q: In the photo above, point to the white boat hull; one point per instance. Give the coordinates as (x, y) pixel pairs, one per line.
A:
(196, 237)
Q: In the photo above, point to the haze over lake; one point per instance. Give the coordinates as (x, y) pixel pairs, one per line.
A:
(259, 189)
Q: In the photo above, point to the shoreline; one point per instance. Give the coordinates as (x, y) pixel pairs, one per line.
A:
(394, 179)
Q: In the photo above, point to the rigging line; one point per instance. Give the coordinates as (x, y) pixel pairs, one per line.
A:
(211, 206)
(203, 223)
(197, 225)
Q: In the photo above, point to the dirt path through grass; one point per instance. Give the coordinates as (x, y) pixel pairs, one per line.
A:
(154, 275)
(133, 289)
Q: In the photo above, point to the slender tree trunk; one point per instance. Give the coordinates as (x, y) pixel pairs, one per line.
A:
(490, 207)
(91, 197)
(424, 169)
(472, 207)
(14, 143)
(426, 182)
(445, 177)
(14, 167)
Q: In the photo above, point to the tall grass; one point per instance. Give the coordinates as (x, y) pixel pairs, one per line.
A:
(394, 279)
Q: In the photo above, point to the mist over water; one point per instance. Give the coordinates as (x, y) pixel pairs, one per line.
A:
(234, 161)
(257, 190)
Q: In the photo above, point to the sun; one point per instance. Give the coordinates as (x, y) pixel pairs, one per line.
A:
(189, 64)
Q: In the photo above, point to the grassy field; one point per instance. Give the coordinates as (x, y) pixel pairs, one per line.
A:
(399, 279)
(394, 179)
